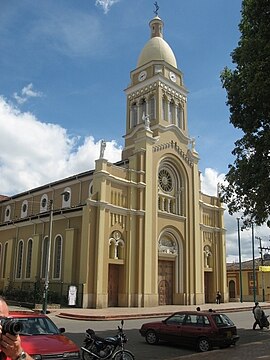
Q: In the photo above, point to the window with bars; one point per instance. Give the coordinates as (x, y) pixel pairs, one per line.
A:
(45, 248)
(29, 258)
(57, 257)
(19, 260)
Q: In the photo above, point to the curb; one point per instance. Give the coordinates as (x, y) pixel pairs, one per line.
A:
(127, 316)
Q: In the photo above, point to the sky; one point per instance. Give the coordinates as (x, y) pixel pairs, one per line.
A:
(64, 65)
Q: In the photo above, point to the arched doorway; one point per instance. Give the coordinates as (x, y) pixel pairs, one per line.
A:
(165, 282)
(232, 289)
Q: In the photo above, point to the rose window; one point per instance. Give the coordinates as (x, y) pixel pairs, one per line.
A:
(165, 180)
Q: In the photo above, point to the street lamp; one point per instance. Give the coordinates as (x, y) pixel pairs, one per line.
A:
(48, 262)
(240, 262)
(48, 259)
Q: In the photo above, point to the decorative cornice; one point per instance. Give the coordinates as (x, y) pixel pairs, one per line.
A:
(150, 87)
(173, 145)
(114, 208)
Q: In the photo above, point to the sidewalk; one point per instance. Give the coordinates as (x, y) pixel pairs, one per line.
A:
(115, 313)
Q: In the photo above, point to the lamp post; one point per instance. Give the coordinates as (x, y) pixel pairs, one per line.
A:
(48, 262)
(48, 258)
(253, 262)
(240, 262)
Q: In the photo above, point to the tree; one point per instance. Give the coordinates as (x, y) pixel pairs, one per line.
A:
(247, 187)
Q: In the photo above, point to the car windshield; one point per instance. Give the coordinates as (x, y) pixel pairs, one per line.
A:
(37, 326)
(222, 320)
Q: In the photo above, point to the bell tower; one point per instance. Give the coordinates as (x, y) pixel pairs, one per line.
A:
(156, 95)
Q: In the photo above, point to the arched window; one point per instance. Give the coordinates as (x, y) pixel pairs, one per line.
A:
(7, 213)
(116, 246)
(29, 258)
(171, 112)
(142, 107)
(180, 115)
(19, 260)
(134, 115)
(24, 209)
(90, 189)
(44, 203)
(57, 257)
(164, 108)
(66, 198)
(5, 260)
(170, 189)
(152, 108)
(45, 248)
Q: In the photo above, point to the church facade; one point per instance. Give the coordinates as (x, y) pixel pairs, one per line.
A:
(136, 233)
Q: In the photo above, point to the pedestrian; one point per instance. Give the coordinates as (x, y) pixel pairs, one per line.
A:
(258, 313)
(218, 297)
(10, 344)
(198, 308)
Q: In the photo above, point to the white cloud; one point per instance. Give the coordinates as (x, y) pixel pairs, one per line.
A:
(33, 153)
(106, 4)
(210, 180)
(26, 93)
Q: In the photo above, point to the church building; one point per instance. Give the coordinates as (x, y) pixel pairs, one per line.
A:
(136, 233)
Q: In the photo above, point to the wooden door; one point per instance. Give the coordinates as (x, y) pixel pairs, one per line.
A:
(165, 282)
(208, 287)
(232, 289)
(113, 285)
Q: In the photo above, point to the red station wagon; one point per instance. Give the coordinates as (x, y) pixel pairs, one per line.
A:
(42, 339)
(200, 329)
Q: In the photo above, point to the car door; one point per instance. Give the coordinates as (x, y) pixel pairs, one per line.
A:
(171, 328)
(194, 327)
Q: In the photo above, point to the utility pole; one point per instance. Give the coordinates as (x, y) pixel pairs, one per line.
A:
(253, 260)
(261, 248)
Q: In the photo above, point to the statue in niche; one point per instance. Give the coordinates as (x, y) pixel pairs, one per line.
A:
(146, 120)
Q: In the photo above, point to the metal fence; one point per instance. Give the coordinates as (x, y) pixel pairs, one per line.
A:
(32, 293)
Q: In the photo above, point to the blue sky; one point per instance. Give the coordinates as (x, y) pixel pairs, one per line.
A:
(64, 66)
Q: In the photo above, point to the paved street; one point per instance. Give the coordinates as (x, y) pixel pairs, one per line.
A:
(252, 345)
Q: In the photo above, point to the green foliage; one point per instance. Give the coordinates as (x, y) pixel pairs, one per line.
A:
(248, 96)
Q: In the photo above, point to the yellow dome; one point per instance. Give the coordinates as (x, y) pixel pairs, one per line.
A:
(157, 49)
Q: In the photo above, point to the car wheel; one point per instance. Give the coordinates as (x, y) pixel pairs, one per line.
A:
(204, 345)
(151, 337)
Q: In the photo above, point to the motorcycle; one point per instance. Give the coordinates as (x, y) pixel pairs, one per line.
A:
(264, 322)
(111, 347)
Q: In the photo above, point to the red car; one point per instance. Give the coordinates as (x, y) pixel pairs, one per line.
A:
(200, 329)
(42, 339)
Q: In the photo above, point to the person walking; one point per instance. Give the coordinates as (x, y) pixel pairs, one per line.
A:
(218, 297)
(258, 313)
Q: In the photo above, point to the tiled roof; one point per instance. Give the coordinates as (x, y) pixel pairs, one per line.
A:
(3, 197)
(247, 265)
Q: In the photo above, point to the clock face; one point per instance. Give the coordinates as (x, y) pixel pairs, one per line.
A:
(172, 76)
(142, 75)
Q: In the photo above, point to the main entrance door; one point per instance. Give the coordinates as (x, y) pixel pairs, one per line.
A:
(165, 282)
(113, 285)
(208, 287)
